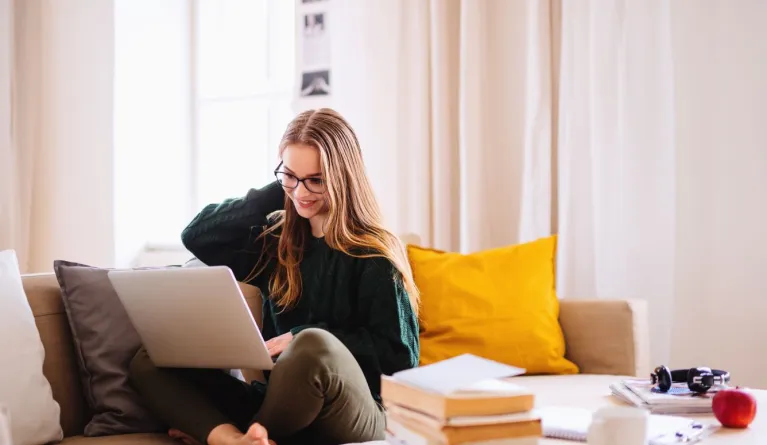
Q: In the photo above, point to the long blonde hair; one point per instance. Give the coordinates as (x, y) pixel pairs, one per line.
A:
(355, 225)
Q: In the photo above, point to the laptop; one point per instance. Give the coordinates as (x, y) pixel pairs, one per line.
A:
(192, 318)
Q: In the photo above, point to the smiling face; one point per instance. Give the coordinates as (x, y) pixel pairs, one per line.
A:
(301, 176)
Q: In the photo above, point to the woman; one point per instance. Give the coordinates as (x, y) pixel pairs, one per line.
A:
(341, 307)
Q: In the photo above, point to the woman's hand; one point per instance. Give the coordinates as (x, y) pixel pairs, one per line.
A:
(278, 344)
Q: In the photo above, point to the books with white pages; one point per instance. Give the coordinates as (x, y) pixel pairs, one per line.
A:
(639, 393)
(458, 421)
(461, 386)
(398, 433)
(403, 422)
(462, 400)
(572, 423)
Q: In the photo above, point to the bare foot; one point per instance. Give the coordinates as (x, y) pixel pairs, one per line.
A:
(229, 435)
(257, 435)
(183, 437)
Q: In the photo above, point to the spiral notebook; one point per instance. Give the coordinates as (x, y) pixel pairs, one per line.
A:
(571, 423)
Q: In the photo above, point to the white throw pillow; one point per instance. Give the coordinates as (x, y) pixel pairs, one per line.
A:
(24, 390)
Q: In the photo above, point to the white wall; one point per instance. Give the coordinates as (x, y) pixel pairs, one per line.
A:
(152, 123)
(720, 59)
(67, 114)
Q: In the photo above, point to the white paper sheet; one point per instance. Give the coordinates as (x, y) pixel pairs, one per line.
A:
(463, 372)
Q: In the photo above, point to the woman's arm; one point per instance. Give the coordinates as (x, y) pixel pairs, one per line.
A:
(224, 233)
(268, 330)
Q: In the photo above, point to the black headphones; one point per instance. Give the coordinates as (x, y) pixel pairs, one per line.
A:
(699, 380)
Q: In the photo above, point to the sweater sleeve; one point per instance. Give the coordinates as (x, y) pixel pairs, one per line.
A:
(268, 330)
(224, 234)
(386, 340)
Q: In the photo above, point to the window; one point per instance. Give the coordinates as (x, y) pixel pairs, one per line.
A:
(203, 92)
(243, 54)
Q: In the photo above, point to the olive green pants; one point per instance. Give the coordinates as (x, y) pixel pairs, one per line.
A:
(316, 394)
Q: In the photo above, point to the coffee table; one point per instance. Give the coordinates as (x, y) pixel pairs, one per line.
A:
(592, 392)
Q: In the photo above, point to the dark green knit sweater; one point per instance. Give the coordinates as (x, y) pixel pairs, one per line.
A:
(360, 300)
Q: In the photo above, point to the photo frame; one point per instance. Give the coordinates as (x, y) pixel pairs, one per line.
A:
(314, 49)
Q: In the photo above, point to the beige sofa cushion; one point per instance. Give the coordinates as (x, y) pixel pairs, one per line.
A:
(607, 336)
(59, 367)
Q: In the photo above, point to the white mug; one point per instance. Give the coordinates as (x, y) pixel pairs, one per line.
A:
(5, 425)
(618, 425)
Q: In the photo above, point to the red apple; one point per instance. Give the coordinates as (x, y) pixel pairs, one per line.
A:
(734, 407)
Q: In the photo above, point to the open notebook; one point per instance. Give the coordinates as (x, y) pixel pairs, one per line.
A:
(571, 423)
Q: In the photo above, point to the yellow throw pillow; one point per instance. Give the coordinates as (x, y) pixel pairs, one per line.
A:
(500, 304)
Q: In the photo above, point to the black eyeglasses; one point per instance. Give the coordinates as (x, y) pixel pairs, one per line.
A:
(314, 185)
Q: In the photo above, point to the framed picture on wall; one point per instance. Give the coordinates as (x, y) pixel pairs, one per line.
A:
(315, 83)
(314, 62)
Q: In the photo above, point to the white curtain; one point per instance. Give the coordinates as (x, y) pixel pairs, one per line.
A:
(20, 132)
(720, 63)
(56, 176)
(661, 171)
(483, 130)
(617, 164)
(452, 101)
(633, 129)
(10, 223)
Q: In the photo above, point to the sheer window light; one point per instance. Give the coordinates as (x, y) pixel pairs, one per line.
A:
(243, 53)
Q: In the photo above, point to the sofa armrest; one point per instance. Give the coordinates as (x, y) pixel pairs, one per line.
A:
(607, 336)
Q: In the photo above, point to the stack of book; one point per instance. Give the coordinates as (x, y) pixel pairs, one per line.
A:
(427, 408)
(679, 400)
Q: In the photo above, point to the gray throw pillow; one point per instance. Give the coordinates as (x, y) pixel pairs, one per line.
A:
(105, 342)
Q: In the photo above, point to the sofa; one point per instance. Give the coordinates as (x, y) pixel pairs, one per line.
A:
(605, 338)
